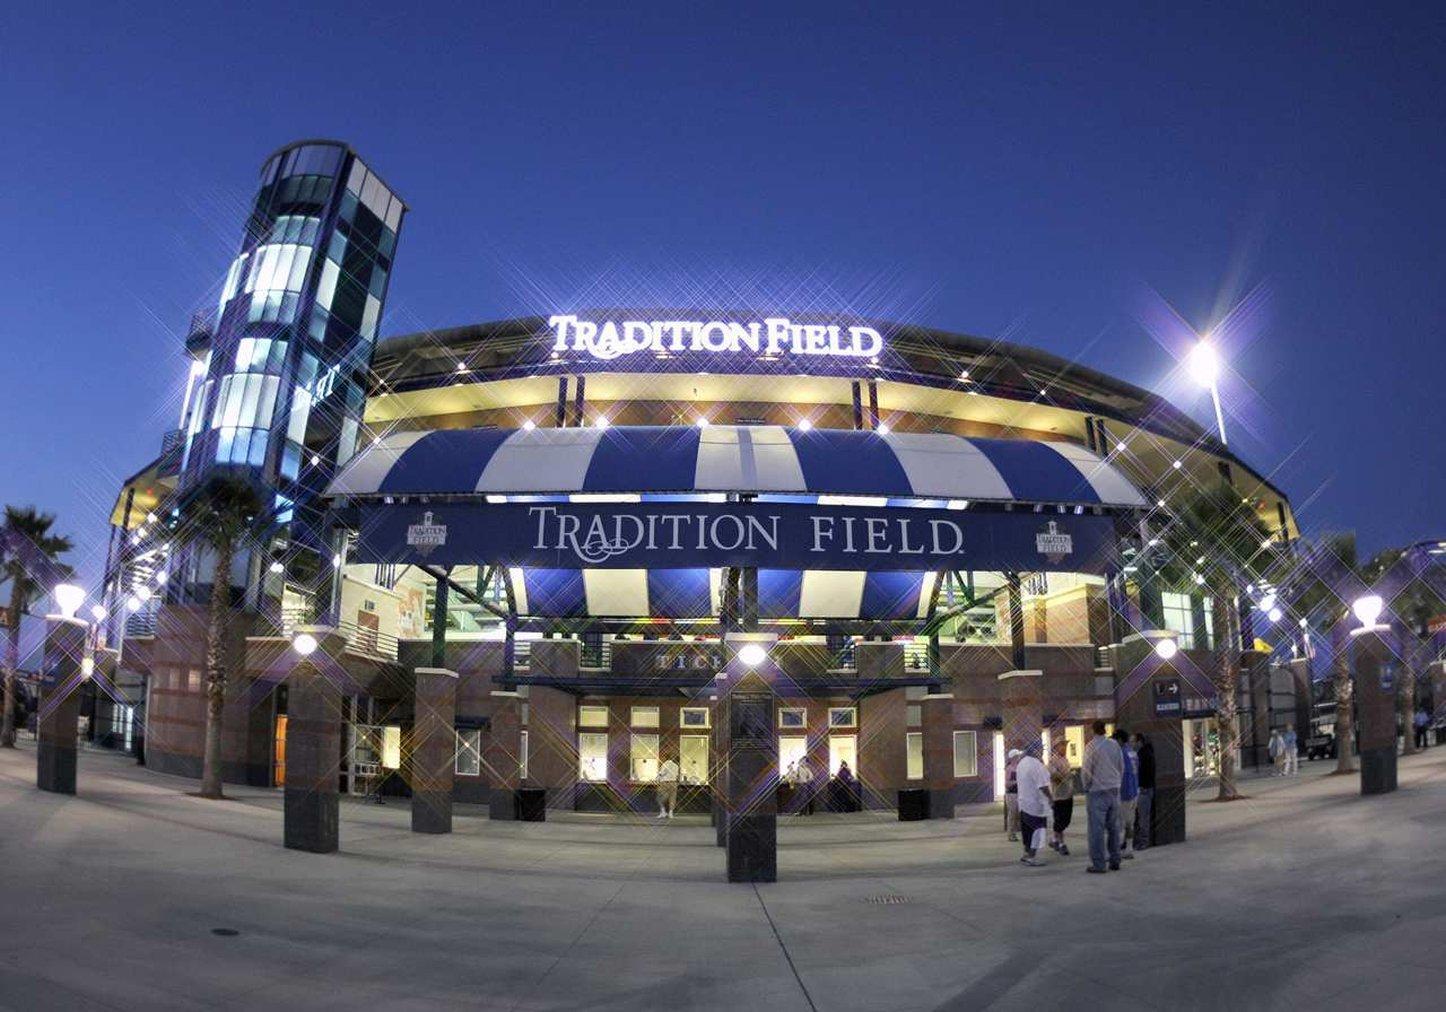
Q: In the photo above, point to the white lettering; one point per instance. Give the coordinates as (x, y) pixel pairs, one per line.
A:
(776, 335)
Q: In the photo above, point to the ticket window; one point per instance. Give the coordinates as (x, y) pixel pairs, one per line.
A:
(391, 747)
(1076, 737)
(643, 759)
(843, 748)
(693, 758)
(791, 749)
(592, 756)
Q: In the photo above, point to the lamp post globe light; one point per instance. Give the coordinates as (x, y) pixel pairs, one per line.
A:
(1166, 649)
(304, 644)
(1203, 362)
(1368, 609)
(68, 598)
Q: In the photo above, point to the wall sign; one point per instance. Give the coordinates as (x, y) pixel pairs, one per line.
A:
(1167, 698)
(774, 337)
(765, 535)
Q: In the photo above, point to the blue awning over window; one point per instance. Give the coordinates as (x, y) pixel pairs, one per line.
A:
(725, 458)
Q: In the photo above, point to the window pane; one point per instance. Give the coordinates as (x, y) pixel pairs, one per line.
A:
(645, 716)
(693, 758)
(966, 754)
(914, 756)
(469, 753)
(592, 716)
(643, 759)
(592, 757)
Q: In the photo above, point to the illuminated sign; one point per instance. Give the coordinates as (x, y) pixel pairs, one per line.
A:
(773, 337)
(765, 535)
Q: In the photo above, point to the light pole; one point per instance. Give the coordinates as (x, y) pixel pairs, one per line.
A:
(1204, 365)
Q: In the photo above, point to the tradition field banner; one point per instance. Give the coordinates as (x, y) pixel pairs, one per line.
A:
(676, 535)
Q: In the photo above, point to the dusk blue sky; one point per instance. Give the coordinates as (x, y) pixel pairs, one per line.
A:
(1043, 177)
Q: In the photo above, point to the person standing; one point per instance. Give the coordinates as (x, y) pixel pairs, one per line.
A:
(1129, 793)
(1101, 772)
(667, 780)
(1145, 807)
(1291, 746)
(1423, 723)
(1276, 748)
(1035, 801)
(803, 783)
(1061, 790)
(1011, 793)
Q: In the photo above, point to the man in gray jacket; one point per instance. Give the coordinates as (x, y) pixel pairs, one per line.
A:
(1101, 772)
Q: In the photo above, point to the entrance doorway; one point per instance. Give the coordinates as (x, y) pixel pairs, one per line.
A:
(843, 748)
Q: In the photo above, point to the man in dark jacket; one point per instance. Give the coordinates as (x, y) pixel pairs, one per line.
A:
(1144, 834)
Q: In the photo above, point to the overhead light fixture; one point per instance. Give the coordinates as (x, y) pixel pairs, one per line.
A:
(752, 654)
(702, 422)
(1166, 649)
(882, 428)
(98, 612)
(304, 644)
(277, 567)
(1274, 614)
(804, 425)
(528, 425)
(602, 422)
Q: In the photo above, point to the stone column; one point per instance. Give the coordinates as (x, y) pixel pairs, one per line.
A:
(1374, 674)
(314, 716)
(1154, 707)
(1021, 700)
(1255, 677)
(434, 749)
(751, 715)
(62, 676)
(937, 723)
(503, 755)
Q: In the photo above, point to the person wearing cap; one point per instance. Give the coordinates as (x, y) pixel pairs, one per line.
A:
(1032, 779)
(1011, 793)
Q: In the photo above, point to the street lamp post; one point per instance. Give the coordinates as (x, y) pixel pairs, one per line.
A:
(1204, 365)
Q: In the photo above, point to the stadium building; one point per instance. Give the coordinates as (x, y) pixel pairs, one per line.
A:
(940, 541)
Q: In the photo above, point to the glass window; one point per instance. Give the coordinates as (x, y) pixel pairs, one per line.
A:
(645, 716)
(592, 757)
(391, 747)
(693, 716)
(914, 756)
(592, 716)
(791, 750)
(913, 715)
(843, 748)
(1179, 617)
(643, 759)
(469, 753)
(791, 717)
(524, 755)
(966, 754)
(693, 758)
(843, 716)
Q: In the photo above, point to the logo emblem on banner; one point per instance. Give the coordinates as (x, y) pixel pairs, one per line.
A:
(426, 536)
(1053, 544)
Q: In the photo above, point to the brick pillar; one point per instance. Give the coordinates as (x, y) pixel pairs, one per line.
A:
(1300, 680)
(314, 715)
(751, 715)
(1154, 708)
(1255, 676)
(60, 683)
(434, 749)
(1021, 707)
(937, 716)
(1375, 674)
(503, 755)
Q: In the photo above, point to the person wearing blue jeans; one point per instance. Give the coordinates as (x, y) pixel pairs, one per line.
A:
(1101, 773)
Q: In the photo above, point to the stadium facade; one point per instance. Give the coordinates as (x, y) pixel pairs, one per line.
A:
(941, 541)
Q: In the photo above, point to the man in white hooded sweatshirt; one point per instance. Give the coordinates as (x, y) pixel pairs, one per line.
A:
(1035, 802)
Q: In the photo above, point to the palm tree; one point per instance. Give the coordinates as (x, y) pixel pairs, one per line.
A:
(25, 525)
(1213, 538)
(1325, 577)
(222, 516)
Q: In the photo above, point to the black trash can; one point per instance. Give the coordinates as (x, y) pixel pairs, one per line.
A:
(531, 804)
(913, 804)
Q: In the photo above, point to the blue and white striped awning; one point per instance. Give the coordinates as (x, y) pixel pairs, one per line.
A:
(695, 593)
(762, 459)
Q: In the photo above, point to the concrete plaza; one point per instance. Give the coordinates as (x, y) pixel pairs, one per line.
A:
(1305, 895)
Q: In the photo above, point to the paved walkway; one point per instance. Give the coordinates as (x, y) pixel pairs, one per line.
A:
(1304, 895)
